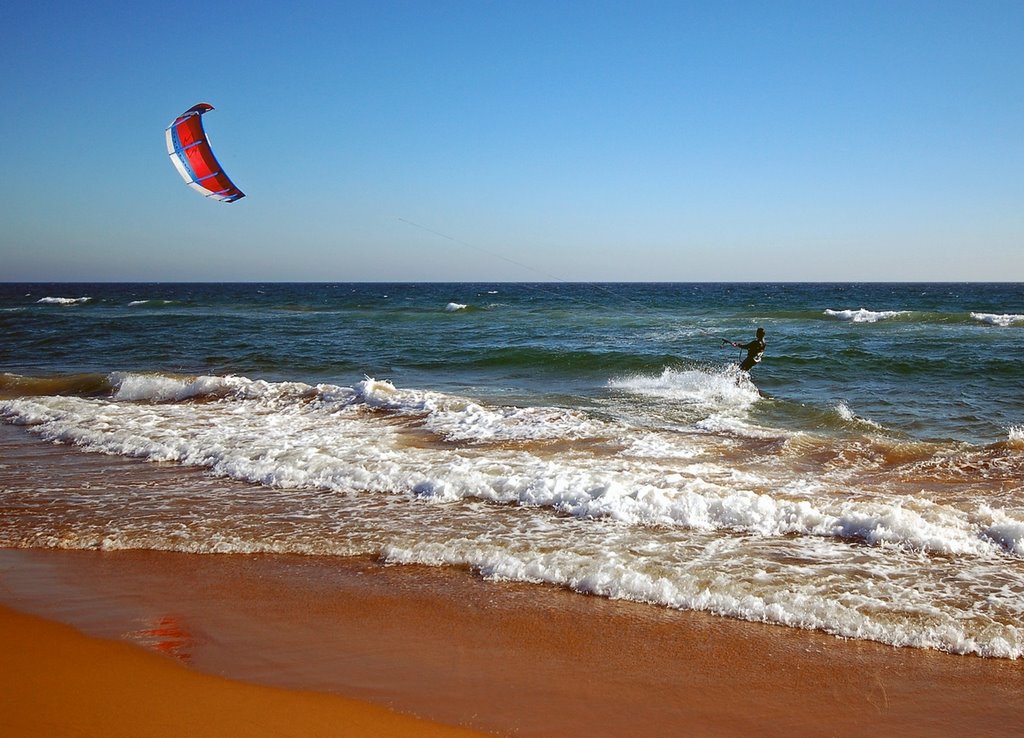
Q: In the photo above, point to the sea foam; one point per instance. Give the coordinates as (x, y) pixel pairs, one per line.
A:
(160, 388)
(802, 602)
(720, 389)
(294, 435)
(708, 400)
(319, 445)
(458, 419)
(62, 300)
(864, 316)
(1002, 320)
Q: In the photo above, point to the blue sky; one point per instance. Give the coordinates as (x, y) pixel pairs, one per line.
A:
(571, 140)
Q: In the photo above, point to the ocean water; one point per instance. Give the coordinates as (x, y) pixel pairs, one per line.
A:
(866, 479)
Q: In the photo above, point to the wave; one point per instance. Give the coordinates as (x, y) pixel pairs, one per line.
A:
(1003, 320)
(865, 316)
(82, 385)
(805, 606)
(152, 303)
(705, 400)
(63, 300)
(129, 387)
(715, 388)
(291, 434)
(843, 411)
(460, 307)
(460, 420)
(574, 475)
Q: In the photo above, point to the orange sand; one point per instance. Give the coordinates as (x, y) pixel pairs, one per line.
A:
(56, 681)
(511, 659)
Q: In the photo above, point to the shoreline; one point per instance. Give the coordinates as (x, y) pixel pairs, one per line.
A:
(498, 657)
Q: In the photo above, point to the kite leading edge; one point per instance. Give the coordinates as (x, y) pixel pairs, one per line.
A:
(190, 152)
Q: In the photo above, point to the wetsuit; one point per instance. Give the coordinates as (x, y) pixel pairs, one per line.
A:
(754, 350)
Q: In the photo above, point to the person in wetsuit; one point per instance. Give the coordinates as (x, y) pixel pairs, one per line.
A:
(754, 350)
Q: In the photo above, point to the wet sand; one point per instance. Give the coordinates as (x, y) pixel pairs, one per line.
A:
(56, 681)
(510, 659)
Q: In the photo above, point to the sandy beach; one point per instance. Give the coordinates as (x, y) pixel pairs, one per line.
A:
(57, 681)
(446, 646)
(223, 554)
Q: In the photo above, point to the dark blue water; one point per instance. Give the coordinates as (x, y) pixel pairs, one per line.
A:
(932, 361)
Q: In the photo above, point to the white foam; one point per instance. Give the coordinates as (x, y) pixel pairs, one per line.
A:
(452, 307)
(1003, 320)
(721, 389)
(298, 436)
(729, 425)
(647, 488)
(1016, 436)
(475, 423)
(864, 316)
(714, 400)
(843, 411)
(130, 387)
(659, 446)
(804, 603)
(459, 419)
(62, 300)
(1002, 528)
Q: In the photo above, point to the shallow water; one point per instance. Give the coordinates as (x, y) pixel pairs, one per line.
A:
(869, 481)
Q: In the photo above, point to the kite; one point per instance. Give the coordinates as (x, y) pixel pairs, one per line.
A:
(190, 152)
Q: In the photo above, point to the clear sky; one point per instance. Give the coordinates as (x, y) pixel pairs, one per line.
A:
(675, 141)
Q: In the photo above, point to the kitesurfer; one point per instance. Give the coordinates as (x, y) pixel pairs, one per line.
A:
(754, 350)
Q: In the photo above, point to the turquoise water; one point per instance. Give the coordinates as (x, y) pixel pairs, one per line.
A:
(866, 479)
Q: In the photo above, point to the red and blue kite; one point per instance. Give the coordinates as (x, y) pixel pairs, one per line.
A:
(190, 152)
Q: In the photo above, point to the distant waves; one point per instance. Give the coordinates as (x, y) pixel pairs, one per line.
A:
(863, 315)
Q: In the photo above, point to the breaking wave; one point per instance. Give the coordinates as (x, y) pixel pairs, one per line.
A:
(62, 300)
(1002, 320)
(865, 316)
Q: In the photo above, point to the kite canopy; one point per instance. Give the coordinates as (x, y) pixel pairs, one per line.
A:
(190, 152)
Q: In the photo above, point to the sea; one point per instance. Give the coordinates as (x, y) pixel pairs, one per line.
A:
(865, 479)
